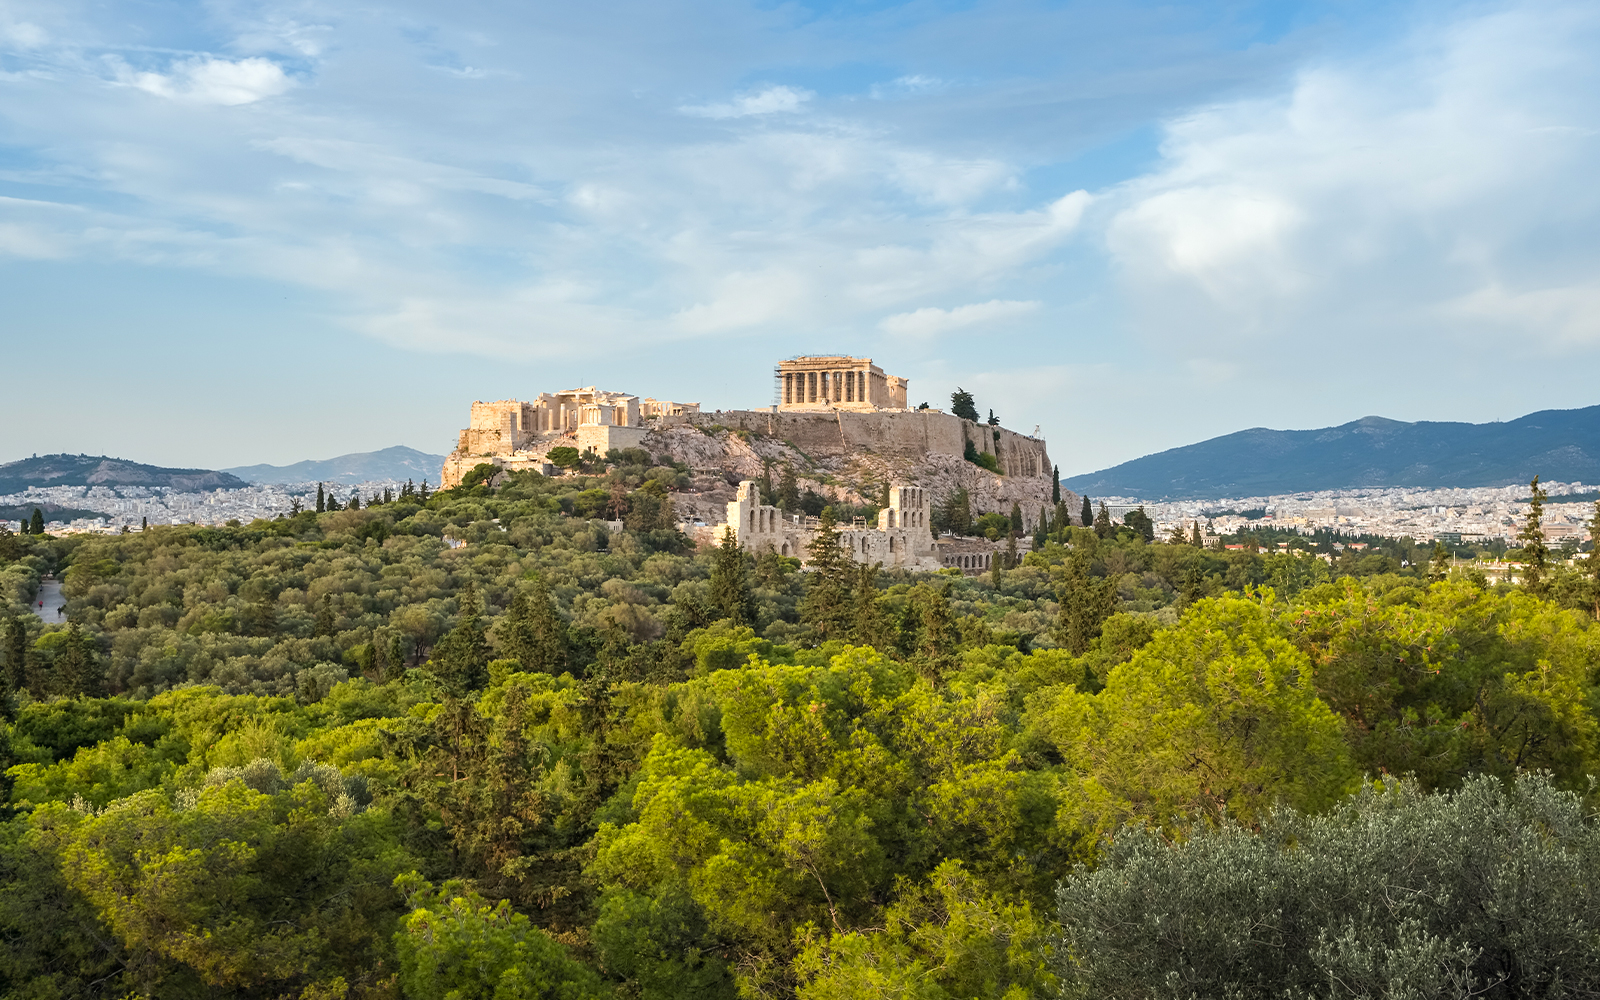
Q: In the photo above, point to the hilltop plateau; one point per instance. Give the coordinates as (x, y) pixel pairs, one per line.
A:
(1370, 452)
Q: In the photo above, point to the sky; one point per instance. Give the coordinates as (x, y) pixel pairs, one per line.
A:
(236, 232)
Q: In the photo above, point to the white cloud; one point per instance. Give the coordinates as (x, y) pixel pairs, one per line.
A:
(1438, 191)
(22, 34)
(931, 321)
(209, 80)
(771, 100)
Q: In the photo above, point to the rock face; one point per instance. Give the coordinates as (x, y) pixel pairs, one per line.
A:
(88, 470)
(851, 456)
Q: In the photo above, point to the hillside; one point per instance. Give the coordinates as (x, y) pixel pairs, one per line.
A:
(1562, 445)
(360, 467)
(92, 470)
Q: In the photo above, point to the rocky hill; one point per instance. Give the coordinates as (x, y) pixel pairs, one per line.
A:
(1560, 445)
(399, 463)
(92, 470)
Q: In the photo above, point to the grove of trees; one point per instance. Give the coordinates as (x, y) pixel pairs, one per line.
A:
(484, 743)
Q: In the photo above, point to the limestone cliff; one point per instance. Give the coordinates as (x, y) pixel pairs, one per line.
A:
(850, 456)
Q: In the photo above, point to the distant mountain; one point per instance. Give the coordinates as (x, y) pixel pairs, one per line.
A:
(88, 470)
(390, 463)
(1561, 445)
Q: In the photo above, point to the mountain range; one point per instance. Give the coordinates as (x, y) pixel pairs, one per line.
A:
(391, 463)
(98, 470)
(1559, 445)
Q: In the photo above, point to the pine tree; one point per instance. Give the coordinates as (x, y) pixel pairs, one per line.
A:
(333, 503)
(355, 502)
(826, 605)
(1086, 517)
(422, 491)
(730, 585)
(963, 405)
(1055, 485)
(937, 636)
(15, 676)
(36, 525)
(1535, 554)
(77, 667)
(322, 500)
(958, 511)
(871, 627)
(461, 658)
(1086, 602)
(1102, 521)
(542, 642)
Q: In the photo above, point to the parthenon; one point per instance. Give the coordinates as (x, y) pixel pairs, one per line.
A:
(838, 382)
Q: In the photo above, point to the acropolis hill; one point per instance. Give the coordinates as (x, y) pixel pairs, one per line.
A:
(841, 423)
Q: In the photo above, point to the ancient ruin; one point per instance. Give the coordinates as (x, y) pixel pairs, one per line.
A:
(840, 425)
(901, 539)
(835, 381)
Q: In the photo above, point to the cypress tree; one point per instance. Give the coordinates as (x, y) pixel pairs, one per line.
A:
(938, 638)
(1594, 558)
(1535, 554)
(325, 616)
(322, 500)
(827, 605)
(730, 586)
(333, 503)
(1102, 521)
(144, 524)
(788, 490)
(1439, 565)
(36, 525)
(1055, 485)
(768, 495)
(355, 502)
(1086, 518)
(1016, 518)
(1195, 540)
(422, 491)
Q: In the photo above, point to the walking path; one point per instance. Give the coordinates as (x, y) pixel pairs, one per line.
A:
(49, 603)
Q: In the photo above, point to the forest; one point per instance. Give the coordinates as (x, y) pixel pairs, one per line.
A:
(491, 743)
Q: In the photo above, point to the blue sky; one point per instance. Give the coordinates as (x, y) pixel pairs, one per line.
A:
(240, 232)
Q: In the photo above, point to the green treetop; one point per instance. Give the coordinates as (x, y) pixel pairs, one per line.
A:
(963, 406)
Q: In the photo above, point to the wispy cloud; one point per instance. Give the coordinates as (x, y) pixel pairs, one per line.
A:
(932, 321)
(767, 101)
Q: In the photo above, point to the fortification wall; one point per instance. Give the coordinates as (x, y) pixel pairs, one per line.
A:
(911, 434)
